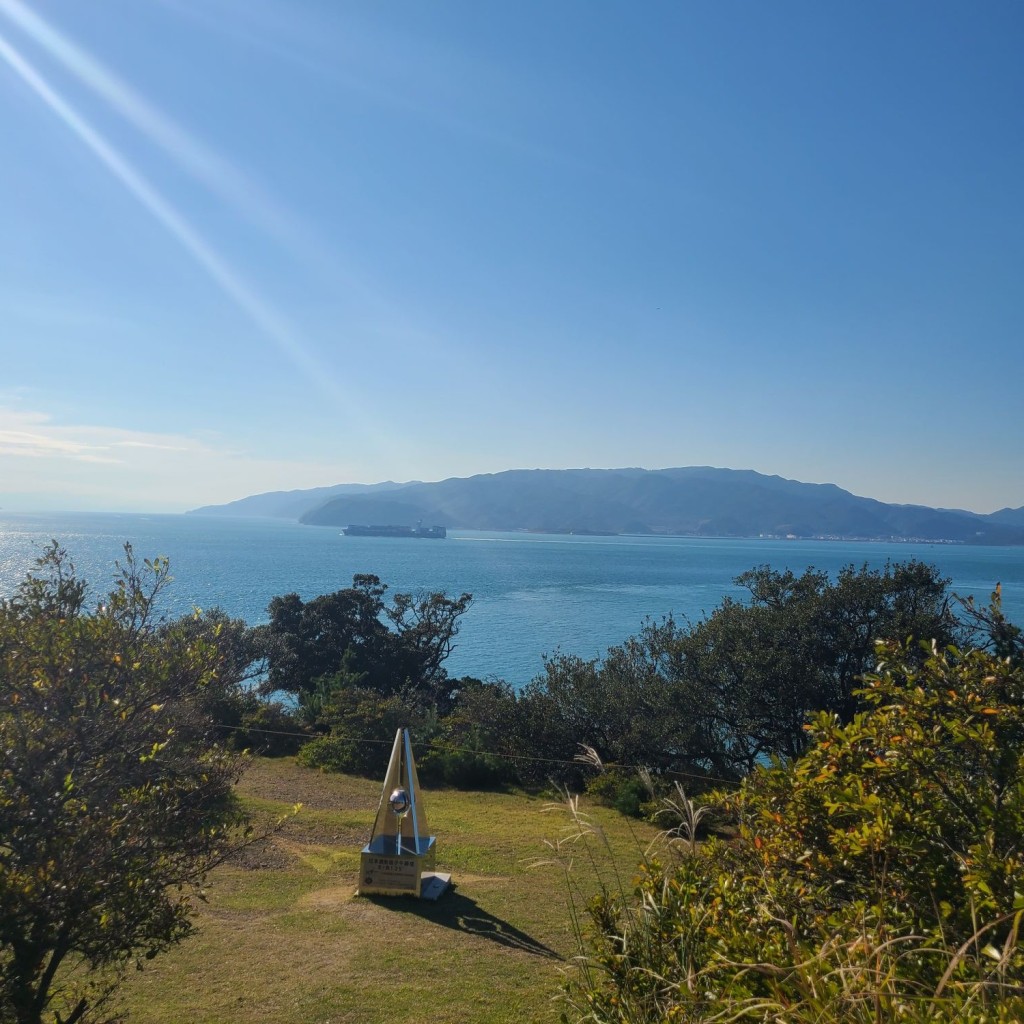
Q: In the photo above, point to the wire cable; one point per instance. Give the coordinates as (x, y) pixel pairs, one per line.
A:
(434, 745)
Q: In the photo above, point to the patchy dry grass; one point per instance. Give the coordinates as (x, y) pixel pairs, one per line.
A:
(283, 938)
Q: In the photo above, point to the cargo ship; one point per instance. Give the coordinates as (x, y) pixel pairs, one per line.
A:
(419, 530)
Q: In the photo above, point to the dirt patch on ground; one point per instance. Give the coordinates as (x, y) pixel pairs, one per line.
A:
(288, 846)
(263, 855)
(337, 812)
(286, 782)
(330, 899)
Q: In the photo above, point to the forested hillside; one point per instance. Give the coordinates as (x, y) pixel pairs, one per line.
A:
(694, 501)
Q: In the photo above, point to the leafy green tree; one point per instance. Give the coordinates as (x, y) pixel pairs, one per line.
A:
(990, 629)
(308, 640)
(624, 707)
(230, 695)
(361, 667)
(114, 802)
(752, 672)
(357, 636)
(714, 699)
(474, 744)
(362, 726)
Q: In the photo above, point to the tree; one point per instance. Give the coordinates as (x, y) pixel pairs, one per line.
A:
(473, 746)
(244, 721)
(753, 672)
(623, 706)
(717, 698)
(114, 803)
(990, 629)
(357, 637)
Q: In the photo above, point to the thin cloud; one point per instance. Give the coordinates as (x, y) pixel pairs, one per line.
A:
(53, 464)
(150, 444)
(34, 435)
(22, 444)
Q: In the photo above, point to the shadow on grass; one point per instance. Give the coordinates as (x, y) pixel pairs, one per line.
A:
(453, 910)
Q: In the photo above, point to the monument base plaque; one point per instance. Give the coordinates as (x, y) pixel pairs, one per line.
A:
(385, 872)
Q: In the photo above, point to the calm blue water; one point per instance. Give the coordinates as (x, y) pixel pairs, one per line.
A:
(532, 594)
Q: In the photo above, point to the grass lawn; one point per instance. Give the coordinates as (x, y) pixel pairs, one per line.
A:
(284, 939)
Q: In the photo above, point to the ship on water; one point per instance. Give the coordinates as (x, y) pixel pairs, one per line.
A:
(419, 530)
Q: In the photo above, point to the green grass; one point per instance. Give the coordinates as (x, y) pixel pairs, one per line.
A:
(284, 939)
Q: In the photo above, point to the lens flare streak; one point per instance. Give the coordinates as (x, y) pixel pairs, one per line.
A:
(268, 320)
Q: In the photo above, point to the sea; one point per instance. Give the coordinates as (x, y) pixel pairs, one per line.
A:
(534, 595)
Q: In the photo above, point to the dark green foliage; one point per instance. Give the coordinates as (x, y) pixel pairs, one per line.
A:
(317, 705)
(877, 877)
(754, 672)
(703, 702)
(464, 768)
(244, 720)
(363, 724)
(266, 727)
(461, 748)
(989, 628)
(470, 744)
(114, 801)
(623, 789)
(627, 708)
(384, 647)
(362, 668)
(331, 754)
(228, 696)
(306, 641)
(715, 699)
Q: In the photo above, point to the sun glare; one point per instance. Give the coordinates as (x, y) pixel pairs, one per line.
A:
(191, 155)
(269, 321)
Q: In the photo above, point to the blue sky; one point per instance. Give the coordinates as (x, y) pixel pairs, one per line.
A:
(251, 245)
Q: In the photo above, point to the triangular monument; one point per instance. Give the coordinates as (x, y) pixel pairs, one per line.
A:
(399, 858)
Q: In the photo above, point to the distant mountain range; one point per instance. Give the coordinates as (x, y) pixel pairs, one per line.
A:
(289, 504)
(694, 501)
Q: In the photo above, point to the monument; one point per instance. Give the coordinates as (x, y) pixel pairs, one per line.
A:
(399, 858)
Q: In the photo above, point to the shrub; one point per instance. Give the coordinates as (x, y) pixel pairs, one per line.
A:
(363, 726)
(463, 767)
(625, 790)
(267, 728)
(470, 745)
(876, 878)
(329, 753)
